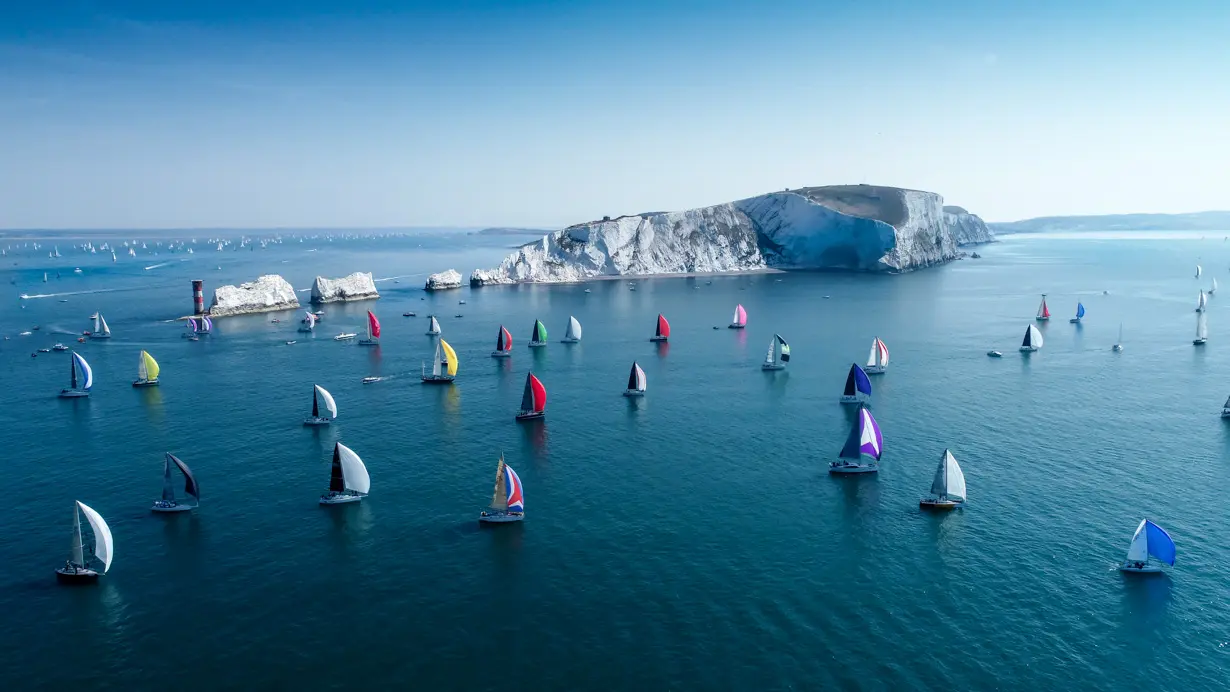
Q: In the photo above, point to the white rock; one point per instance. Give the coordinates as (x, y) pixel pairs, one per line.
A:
(266, 294)
(443, 280)
(357, 286)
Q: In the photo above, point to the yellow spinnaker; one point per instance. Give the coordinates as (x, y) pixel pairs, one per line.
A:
(449, 355)
(149, 365)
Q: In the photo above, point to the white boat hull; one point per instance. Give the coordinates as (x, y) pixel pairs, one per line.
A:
(633, 392)
(838, 467)
(145, 383)
(501, 354)
(316, 420)
(159, 507)
(537, 344)
(339, 499)
(1028, 349)
(772, 366)
(499, 517)
(1147, 569)
(875, 369)
(72, 394)
(1117, 348)
(1198, 342)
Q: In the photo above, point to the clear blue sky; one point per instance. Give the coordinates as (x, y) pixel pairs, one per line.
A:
(209, 113)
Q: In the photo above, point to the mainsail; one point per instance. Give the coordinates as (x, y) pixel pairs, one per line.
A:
(1043, 311)
(949, 482)
(190, 484)
(1151, 540)
(534, 398)
(434, 326)
(503, 342)
(857, 381)
(147, 367)
(878, 356)
(1033, 338)
(740, 318)
(1202, 327)
(574, 329)
(636, 378)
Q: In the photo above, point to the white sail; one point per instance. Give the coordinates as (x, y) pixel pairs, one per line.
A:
(1213, 288)
(1199, 271)
(1202, 327)
(327, 398)
(142, 374)
(354, 473)
(949, 481)
(76, 552)
(1138, 551)
(574, 329)
(104, 548)
(436, 365)
(871, 357)
(435, 327)
(771, 357)
(1201, 302)
(97, 327)
(1035, 337)
(105, 329)
(640, 377)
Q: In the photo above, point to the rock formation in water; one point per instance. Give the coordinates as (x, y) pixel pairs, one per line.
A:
(357, 286)
(443, 280)
(851, 227)
(267, 294)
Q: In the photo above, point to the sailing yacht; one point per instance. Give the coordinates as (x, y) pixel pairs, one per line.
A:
(573, 335)
(168, 502)
(433, 327)
(507, 502)
(877, 358)
(1149, 541)
(636, 381)
(538, 337)
(1080, 312)
(1199, 271)
(1213, 288)
(739, 321)
(76, 569)
(319, 396)
(444, 365)
(373, 331)
(78, 388)
(1202, 330)
(1119, 344)
(533, 399)
(663, 330)
(778, 355)
(1201, 302)
(503, 344)
(101, 330)
(1225, 408)
(309, 323)
(858, 386)
(207, 325)
(1032, 341)
(348, 479)
(948, 487)
(1044, 313)
(147, 371)
(864, 440)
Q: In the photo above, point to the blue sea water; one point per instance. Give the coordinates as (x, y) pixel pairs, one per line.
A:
(688, 540)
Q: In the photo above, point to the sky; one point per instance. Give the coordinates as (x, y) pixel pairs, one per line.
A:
(225, 114)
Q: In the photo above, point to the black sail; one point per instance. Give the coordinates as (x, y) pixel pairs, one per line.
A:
(315, 404)
(632, 377)
(336, 483)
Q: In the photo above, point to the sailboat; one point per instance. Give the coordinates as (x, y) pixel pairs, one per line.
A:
(503, 344)
(1044, 312)
(320, 395)
(309, 323)
(1225, 408)
(538, 337)
(1213, 288)
(1080, 312)
(373, 331)
(444, 365)
(663, 331)
(1149, 541)
(1201, 302)
(433, 327)
(1199, 271)
(147, 371)
(507, 502)
(206, 324)
(858, 386)
(948, 487)
(573, 335)
(101, 330)
(1118, 344)
(864, 440)
(636, 381)
(76, 569)
(778, 355)
(877, 358)
(1032, 341)
(533, 399)
(168, 503)
(78, 388)
(348, 480)
(1202, 330)
(739, 321)
(44, 277)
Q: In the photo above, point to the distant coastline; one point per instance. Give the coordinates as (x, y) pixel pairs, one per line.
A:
(1195, 221)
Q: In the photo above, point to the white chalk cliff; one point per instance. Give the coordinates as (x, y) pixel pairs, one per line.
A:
(266, 294)
(852, 227)
(443, 280)
(357, 286)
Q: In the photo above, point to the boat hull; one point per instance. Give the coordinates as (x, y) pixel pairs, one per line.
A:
(170, 509)
(875, 369)
(1117, 348)
(852, 399)
(77, 576)
(840, 468)
(437, 379)
(570, 341)
(500, 517)
(1043, 319)
(501, 354)
(431, 333)
(995, 354)
(1198, 342)
(1147, 569)
(145, 383)
(531, 415)
(1074, 320)
(1028, 349)
(633, 393)
(316, 420)
(537, 344)
(658, 338)
(304, 330)
(938, 505)
(369, 342)
(772, 366)
(1225, 413)
(73, 394)
(339, 499)
(736, 326)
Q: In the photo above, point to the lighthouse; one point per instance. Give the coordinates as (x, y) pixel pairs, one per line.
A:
(198, 297)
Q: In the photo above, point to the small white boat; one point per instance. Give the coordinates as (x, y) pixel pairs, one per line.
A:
(636, 381)
(433, 328)
(1149, 541)
(345, 336)
(858, 386)
(76, 569)
(863, 441)
(538, 337)
(1118, 344)
(373, 330)
(59, 347)
(1044, 313)
(588, 291)
(507, 501)
(948, 486)
(319, 396)
(1032, 341)
(292, 342)
(369, 380)
(444, 365)
(877, 359)
(147, 371)
(461, 302)
(1202, 330)
(348, 479)
(778, 355)
(77, 389)
(168, 502)
(573, 333)
(995, 354)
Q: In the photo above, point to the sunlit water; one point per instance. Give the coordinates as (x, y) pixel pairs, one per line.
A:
(689, 540)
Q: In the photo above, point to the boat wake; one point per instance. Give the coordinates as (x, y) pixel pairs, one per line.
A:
(163, 264)
(401, 276)
(27, 296)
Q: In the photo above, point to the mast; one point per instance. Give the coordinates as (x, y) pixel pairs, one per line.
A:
(77, 551)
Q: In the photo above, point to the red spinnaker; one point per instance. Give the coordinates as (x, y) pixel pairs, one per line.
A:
(540, 394)
(374, 323)
(664, 327)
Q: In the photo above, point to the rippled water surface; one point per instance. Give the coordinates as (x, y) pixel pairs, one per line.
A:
(689, 540)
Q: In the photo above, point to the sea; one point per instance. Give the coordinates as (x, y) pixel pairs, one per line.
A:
(689, 540)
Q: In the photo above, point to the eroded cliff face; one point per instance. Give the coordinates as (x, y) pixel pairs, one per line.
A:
(443, 280)
(357, 286)
(851, 227)
(267, 294)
